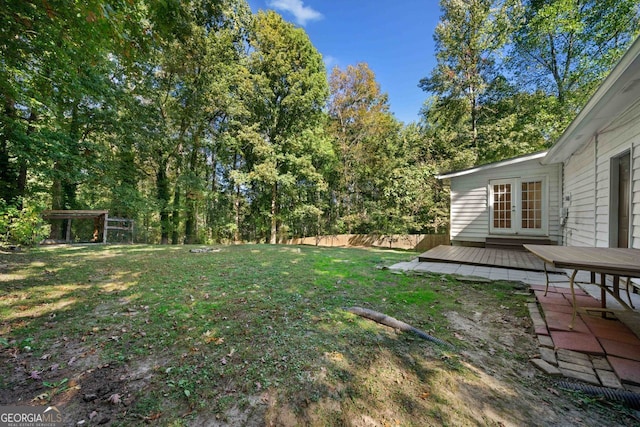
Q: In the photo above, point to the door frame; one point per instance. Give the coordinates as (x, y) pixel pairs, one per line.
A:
(516, 201)
(614, 190)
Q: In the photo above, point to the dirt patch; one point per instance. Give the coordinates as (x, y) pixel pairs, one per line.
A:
(85, 390)
(490, 382)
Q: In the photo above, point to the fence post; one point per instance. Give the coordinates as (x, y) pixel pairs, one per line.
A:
(104, 228)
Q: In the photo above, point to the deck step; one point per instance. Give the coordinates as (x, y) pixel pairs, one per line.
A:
(505, 258)
(515, 243)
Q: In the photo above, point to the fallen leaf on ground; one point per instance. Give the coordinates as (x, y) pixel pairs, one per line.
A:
(43, 396)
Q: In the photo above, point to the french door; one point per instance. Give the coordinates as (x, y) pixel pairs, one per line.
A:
(518, 206)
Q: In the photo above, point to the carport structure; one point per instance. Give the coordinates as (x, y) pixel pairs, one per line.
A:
(101, 222)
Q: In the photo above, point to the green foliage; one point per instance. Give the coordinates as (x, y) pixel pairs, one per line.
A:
(23, 227)
(289, 90)
(512, 74)
(468, 39)
(565, 48)
(366, 139)
(205, 123)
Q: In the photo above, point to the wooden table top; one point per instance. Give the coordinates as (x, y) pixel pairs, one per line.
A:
(616, 261)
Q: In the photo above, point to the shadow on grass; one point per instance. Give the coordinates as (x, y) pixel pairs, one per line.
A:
(189, 336)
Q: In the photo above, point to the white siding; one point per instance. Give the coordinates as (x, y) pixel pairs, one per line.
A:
(587, 182)
(579, 197)
(470, 204)
(469, 212)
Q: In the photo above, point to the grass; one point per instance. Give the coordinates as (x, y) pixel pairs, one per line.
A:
(220, 328)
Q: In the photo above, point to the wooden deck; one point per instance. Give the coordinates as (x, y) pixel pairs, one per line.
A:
(506, 258)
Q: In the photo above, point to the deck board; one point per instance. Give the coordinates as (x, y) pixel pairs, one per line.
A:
(506, 258)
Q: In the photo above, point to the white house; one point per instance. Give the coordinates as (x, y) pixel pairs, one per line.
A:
(600, 157)
(515, 198)
(585, 191)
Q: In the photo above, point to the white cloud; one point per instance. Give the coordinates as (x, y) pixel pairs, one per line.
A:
(329, 62)
(300, 12)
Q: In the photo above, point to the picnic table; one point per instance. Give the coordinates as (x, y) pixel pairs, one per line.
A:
(616, 262)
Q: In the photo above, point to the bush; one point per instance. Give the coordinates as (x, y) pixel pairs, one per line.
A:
(24, 227)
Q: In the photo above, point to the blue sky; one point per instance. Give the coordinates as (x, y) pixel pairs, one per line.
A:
(394, 37)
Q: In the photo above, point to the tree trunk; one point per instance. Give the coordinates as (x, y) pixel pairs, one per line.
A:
(22, 168)
(191, 202)
(190, 231)
(56, 203)
(274, 221)
(64, 187)
(7, 175)
(175, 216)
(236, 204)
(162, 186)
(236, 208)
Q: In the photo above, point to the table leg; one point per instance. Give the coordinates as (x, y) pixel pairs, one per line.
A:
(614, 291)
(546, 278)
(603, 294)
(628, 294)
(573, 297)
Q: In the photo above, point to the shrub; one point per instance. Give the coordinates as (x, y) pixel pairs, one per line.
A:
(24, 227)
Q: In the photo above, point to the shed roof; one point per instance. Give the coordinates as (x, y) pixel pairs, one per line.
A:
(507, 162)
(72, 214)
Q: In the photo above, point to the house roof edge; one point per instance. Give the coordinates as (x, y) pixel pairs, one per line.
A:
(501, 163)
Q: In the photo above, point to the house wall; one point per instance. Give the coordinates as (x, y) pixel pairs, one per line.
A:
(587, 182)
(579, 197)
(470, 199)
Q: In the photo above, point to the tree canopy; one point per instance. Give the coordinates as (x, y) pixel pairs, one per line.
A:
(205, 122)
(511, 74)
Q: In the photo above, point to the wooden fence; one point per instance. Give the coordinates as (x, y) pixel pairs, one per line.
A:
(417, 242)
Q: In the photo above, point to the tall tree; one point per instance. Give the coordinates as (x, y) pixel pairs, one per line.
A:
(289, 92)
(194, 94)
(468, 39)
(412, 199)
(565, 47)
(514, 122)
(365, 132)
(56, 81)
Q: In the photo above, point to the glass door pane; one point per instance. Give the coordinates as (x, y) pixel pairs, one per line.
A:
(531, 205)
(502, 199)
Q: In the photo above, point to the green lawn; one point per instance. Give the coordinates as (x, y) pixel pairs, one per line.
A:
(183, 337)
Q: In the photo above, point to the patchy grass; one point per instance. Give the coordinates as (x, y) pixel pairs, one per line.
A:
(254, 335)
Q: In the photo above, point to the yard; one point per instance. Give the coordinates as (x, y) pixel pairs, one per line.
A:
(256, 335)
